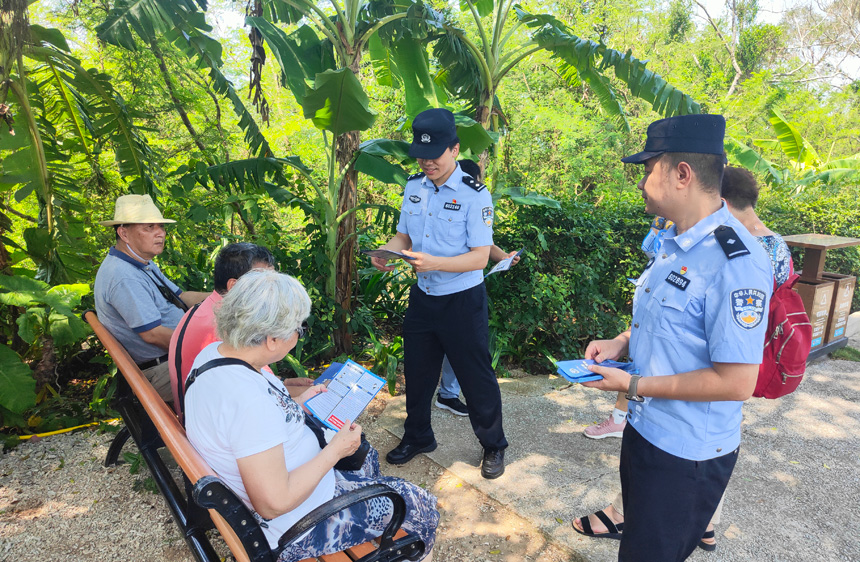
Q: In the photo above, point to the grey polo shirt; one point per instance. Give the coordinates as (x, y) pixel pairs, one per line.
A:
(128, 303)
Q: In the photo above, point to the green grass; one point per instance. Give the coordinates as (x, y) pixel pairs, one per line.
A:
(847, 353)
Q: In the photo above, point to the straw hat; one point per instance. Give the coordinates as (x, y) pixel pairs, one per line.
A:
(136, 209)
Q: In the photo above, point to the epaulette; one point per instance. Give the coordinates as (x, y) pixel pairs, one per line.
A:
(416, 176)
(730, 243)
(473, 183)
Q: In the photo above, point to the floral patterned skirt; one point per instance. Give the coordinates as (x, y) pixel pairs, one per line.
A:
(365, 521)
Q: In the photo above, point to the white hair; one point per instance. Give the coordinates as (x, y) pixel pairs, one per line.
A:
(262, 303)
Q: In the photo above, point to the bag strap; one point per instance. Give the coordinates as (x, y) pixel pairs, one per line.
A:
(315, 426)
(180, 339)
(165, 291)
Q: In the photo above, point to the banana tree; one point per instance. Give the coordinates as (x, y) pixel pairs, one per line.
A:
(806, 166)
(472, 68)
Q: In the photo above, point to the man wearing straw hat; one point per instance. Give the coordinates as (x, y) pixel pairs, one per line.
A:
(134, 300)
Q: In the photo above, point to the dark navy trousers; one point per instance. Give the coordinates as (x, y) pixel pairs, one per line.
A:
(668, 501)
(454, 325)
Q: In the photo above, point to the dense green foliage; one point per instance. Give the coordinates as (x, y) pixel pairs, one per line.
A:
(161, 104)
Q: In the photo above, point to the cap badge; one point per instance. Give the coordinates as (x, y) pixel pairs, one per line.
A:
(425, 138)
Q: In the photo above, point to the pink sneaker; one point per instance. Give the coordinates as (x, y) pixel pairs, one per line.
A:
(606, 428)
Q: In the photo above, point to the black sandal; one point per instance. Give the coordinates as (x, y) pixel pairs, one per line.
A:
(708, 546)
(613, 531)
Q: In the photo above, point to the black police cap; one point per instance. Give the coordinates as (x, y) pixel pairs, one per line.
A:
(433, 131)
(702, 134)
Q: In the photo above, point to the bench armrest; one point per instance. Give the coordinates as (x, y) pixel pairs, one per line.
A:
(390, 550)
(210, 492)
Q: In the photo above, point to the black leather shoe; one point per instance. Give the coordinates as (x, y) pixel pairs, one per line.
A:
(494, 463)
(404, 452)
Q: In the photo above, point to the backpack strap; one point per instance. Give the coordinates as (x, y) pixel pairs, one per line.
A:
(213, 364)
(729, 241)
(180, 388)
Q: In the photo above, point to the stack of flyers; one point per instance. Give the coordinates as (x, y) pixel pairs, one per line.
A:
(577, 370)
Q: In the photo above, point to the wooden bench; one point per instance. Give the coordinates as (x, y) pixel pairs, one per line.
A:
(152, 424)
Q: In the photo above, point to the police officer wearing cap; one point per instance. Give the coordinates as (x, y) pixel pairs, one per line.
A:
(699, 316)
(446, 228)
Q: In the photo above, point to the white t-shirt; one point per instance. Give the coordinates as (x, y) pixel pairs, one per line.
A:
(232, 412)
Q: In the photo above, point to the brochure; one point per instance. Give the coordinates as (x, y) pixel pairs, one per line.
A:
(505, 264)
(349, 393)
(577, 370)
(386, 254)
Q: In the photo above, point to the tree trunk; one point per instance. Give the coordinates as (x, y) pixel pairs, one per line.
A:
(482, 116)
(47, 365)
(347, 145)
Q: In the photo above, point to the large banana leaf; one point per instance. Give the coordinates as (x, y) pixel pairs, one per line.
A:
(17, 385)
(371, 160)
(744, 156)
(337, 103)
(383, 63)
(149, 19)
(419, 89)
(792, 142)
(461, 71)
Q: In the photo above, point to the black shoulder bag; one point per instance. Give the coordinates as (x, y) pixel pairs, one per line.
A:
(351, 463)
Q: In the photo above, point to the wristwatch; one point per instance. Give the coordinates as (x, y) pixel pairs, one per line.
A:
(631, 389)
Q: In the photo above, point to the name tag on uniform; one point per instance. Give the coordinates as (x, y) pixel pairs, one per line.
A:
(678, 280)
(452, 206)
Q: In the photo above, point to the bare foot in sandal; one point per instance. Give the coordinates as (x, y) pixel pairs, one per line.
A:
(606, 523)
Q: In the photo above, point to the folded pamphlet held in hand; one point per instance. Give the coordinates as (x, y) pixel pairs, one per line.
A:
(386, 254)
(577, 369)
(349, 392)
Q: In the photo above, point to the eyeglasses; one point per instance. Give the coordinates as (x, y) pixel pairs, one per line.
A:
(302, 329)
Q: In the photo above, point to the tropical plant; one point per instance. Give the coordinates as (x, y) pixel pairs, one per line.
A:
(47, 326)
(806, 166)
(472, 69)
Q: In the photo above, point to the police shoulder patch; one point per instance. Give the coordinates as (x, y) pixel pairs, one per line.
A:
(730, 242)
(747, 307)
(473, 183)
(416, 176)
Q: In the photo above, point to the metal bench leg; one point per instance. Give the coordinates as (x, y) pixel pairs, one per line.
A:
(116, 446)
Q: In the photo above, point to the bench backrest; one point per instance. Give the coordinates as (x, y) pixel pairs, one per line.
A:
(165, 420)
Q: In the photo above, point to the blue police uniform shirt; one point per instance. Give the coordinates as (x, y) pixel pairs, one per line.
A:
(694, 307)
(447, 222)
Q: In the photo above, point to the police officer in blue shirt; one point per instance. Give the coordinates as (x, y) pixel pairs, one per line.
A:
(699, 316)
(446, 227)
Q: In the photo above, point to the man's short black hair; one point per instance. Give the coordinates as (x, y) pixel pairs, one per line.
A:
(235, 260)
(739, 188)
(707, 167)
(471, 168)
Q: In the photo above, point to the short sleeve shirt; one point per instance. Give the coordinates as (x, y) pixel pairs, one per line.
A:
(128, 302)
(233, 412)
(694, 307)
(447, 221)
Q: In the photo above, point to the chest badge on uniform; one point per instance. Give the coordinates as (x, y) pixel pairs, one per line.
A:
(487, 215)
(678, 280)
(748, 307)
(414, 198)
(683, 270)
(452, 206)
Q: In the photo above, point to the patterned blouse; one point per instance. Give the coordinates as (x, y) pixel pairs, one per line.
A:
(780, 256)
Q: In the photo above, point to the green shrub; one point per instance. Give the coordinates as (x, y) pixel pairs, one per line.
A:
(825, 210)
(572, 284)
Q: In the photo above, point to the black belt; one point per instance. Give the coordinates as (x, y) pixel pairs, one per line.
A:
(152, 362)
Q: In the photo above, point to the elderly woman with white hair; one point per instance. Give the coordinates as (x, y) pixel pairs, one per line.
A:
(244, 423)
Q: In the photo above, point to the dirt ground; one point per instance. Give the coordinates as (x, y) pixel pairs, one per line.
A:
(473, 527)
